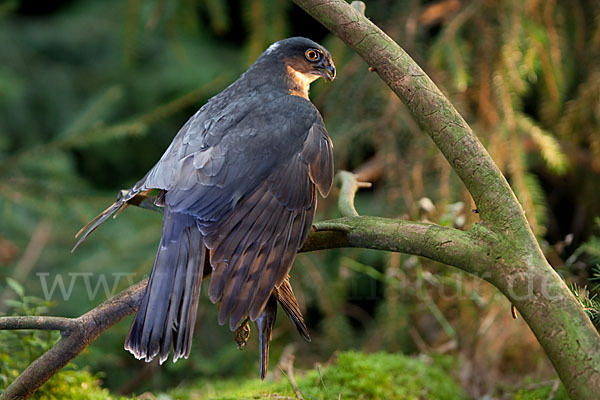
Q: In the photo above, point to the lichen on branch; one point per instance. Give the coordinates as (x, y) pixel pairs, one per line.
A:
(517, 264)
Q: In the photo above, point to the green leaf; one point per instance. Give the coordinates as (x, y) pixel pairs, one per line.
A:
(16, 286)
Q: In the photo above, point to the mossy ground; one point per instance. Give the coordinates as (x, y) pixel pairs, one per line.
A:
(74, 385)
(352, 376)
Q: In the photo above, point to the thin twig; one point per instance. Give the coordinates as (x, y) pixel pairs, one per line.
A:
(33, 251)
(555, 387)
(38, 322)
(30, 257)
(289, 369)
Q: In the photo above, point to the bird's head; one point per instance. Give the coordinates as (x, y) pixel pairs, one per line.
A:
(304, 58)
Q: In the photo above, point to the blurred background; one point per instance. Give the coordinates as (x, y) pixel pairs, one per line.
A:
(92, 93)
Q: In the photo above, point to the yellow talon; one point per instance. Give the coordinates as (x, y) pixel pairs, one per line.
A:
(242, 334)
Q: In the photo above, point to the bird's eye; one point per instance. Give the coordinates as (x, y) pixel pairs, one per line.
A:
(312, 55)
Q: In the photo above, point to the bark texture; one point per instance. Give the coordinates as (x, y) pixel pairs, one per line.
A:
(501, 248)
(516, 264)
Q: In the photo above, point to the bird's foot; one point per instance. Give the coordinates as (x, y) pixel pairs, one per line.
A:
(242, 334)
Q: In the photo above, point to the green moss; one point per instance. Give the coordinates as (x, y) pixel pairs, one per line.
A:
(20, 348)
(353, 376)
(74, 385)
(542, 393)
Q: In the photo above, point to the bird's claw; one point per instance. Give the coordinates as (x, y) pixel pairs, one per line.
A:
(242, 334)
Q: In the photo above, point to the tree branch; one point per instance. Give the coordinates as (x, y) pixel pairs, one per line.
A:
(76, 335)
(446, 245)
(429, 107)
(349, 185)
(38, 322)
(438, 243)
(517, 265)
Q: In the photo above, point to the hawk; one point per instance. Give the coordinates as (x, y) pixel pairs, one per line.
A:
(238, 186)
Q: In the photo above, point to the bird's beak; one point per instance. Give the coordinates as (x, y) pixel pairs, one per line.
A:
(327, 70)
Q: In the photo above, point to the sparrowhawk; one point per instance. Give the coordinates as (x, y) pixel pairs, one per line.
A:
(239, 189)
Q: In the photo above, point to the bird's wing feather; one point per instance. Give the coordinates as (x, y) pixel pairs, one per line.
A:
(247, 171)
(253, 247)
(285, 296)
(249, 176)
(222, 155)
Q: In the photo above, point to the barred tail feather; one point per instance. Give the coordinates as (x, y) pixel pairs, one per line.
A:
(167, 312)
(285, 297)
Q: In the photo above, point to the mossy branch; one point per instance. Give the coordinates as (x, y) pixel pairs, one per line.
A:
(76, 335)
(500, 249)
(446, 245)
(516, 263)
(38, 322)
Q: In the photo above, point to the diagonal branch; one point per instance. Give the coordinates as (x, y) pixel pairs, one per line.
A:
(434, 113)
(446, 245)
(517, 265)
(76, 335)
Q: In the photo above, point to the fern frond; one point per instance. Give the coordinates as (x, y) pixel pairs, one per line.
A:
(549, 147)
(589, 303)
(538, 198)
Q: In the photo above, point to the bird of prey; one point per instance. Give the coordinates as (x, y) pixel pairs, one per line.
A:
(238, 186)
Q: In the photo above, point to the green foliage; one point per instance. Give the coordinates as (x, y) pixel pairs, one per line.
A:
(353, 375)
(588, 300)
(520, 73)
(21, 347)
(542, 393)
(384, 376)
(589, 296)
(92, 93)
(73, 384)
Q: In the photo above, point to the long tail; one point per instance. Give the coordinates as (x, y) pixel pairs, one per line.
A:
(167, 312)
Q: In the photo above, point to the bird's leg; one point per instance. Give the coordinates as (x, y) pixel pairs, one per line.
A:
(143, 200)
(242, 334)
(146, 199)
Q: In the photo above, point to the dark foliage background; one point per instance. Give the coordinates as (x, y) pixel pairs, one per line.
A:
(92, 92)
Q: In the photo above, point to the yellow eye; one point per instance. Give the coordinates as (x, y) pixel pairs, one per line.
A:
(312, 55)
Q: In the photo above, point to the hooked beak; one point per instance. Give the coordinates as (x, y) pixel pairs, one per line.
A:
(326, 70)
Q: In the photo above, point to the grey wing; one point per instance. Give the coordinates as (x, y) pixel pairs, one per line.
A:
(196, 154)
(253, 248)
(249, 175)
(199, 141)
(194, 137)
(216, 161)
